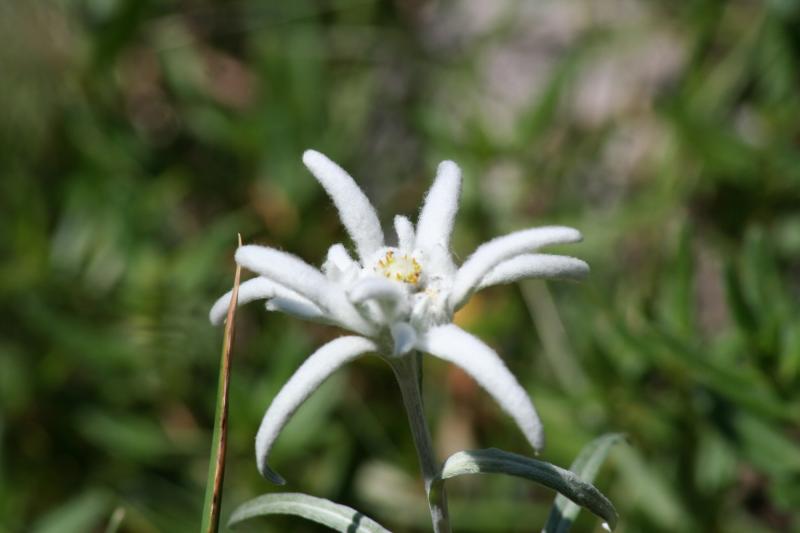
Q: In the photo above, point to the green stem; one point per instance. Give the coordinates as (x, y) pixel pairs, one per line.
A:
(408, 371)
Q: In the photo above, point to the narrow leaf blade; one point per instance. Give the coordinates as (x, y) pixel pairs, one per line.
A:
(116, 520)
(494, 461)
(336, 516)
(586, 465)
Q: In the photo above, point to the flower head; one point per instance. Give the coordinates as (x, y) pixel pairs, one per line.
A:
(396, 298)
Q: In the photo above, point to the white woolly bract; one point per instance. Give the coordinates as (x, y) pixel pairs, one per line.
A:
(492, 253)
(338, 256)
(389, 296)
(405, 233)
(296, 308)
(287, 269)
(435, 224)
(253, 289)
(535, 266)
(452, 344)
(339, 267)
(355, 210)
(377, 288)
(309, 282)
(316, 369)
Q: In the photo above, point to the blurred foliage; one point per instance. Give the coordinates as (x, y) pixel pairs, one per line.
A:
(137, 137)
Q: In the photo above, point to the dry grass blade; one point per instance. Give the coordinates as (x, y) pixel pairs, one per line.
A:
(216, 472)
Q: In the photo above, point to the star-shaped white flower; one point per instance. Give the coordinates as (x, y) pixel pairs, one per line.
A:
(396, 298)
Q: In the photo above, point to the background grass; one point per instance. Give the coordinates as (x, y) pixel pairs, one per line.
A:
(137, 137)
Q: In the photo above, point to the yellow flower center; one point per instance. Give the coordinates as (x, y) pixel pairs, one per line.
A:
(399, 268)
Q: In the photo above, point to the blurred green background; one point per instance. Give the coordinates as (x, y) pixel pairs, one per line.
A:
(138, 137)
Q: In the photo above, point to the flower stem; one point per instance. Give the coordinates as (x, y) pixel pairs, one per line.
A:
(408, 371)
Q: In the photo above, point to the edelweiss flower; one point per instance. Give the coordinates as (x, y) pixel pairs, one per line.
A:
(396, 298)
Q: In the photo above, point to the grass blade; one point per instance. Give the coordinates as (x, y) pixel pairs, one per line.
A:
(116, 520)
(335, 516)
(216, 469)
(586, 466)
(494, 461)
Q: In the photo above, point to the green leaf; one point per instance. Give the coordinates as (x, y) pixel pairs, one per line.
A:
(81, 513)
(325, 512)
(676, 298)
(766, 446)
(494, 461)
(739, 306)
(586, 466)
(650, 491)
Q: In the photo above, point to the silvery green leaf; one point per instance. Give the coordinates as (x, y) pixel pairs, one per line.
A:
(586, 466)
(494, 461)
(325, 512)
